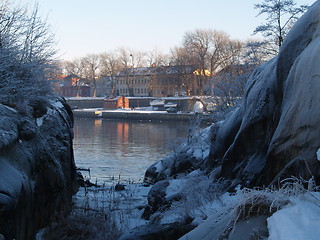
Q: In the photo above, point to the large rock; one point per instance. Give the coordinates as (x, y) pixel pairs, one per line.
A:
(37, 170)
(275, 132)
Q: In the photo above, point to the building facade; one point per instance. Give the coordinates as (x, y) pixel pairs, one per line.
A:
(162, 81)
(116, 103)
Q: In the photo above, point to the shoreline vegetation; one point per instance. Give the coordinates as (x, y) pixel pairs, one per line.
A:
(104, 211)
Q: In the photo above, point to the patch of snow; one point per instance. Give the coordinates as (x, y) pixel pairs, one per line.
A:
(189, 151)
(300, 220)
(198, 107)
(206, 153)
(195, 173)
(175, 187)
(157, 102)
(220, 213)
(57, 104)
(318, 154)
(159, 166)
(198, 154)
(125, 206)
(39, 121)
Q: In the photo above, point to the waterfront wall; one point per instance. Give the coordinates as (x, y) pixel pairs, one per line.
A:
(83, 103)
(132, 115)
(183, 104)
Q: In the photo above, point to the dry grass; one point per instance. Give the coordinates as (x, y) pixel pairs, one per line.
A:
(83, 226)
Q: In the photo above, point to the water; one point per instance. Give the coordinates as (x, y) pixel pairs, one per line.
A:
(113, 148)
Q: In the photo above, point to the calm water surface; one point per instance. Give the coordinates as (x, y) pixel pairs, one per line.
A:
(113, 148)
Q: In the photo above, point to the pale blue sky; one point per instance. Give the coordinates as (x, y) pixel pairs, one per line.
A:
(82, 27)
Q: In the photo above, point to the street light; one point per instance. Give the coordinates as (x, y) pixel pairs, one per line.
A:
(133, 83)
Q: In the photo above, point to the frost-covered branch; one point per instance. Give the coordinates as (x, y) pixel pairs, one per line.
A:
(26, 54)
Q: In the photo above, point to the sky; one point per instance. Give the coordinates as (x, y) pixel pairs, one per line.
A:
(90, 27)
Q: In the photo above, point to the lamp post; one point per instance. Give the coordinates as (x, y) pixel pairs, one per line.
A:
(133, 83)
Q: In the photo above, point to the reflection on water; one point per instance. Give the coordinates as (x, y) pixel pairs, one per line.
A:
(127, 148)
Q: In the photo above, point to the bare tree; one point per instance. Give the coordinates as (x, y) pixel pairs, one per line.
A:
(110, 66)
(198, 45)
(127, 61)
(91, 64)
(256, 52)
(208, 49)
(181, 56)
(156, 58)
(229, 85)
(26, 53)
(185, 64)
(280, 16)
(76, 67)
(224, 51)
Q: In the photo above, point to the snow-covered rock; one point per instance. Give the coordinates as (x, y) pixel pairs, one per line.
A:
(37, 170)
(275, 131)
(185, 158)
(272, 135)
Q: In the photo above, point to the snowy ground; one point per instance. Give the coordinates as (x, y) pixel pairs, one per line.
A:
(125, 206)
(297, 217)
(292, 212)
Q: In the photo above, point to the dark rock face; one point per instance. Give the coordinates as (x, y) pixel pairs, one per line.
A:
(275, 133)
(37, 170)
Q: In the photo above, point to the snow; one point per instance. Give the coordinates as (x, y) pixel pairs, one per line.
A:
(198, 153)
(159, 166)
(157, 102)
(318, 154)
(174, 188)
(125, 206)
(57, 104)
(39, 121)
(221, 212)
(198, 107)
(124, 110)
(300, 220)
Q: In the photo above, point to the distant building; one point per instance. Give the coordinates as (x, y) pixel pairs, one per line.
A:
(75, 91)
(116, 103)
(162, 81)
(103, 86)
(71, 86)
(134, 82)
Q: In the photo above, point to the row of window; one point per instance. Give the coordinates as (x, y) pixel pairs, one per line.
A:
(134, 81)
(135, 91)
